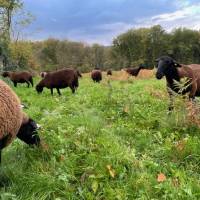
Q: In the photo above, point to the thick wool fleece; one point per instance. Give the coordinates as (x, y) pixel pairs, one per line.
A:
(11, 114)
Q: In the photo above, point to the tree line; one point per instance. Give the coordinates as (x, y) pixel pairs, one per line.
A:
(132, 48)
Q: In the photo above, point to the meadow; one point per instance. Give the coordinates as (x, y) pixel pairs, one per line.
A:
(113, 140)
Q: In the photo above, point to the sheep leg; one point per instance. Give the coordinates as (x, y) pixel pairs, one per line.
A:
(171, 98)
(15, 84)
(3, 142)
(58, 91)
(52, 91)
(171, 102)
(28, 84)
(31, 81)
(73, 89)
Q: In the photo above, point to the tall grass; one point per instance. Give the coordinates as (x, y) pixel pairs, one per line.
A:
(108, 141)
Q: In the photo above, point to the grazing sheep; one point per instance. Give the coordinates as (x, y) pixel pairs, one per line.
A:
(109, 72)
(96, 75)
(133, 71)
(59, 79)
(174, 72)
(19, 77)
(13, 122)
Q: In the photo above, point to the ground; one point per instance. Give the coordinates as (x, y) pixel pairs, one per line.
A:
(113, 140)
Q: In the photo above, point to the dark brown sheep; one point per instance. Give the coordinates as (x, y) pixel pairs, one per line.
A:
(59, 79)
(96, 75)
(174, 72)
(109, 72)
(133, 71)
(19, 77)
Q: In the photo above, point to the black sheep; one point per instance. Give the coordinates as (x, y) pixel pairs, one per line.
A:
(133, 71)
(174, 71)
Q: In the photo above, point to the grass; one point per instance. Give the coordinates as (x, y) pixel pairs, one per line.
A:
(104, 143)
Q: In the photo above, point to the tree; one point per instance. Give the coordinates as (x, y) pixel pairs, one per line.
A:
(7, 8)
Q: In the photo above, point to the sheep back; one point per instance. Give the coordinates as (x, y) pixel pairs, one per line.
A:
(20, 76)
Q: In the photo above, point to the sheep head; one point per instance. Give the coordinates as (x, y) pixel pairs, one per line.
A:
(28, 132)
(5, 74)
(165, 65)
(39, 88)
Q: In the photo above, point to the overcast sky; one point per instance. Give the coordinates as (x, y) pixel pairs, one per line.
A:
(99, 21)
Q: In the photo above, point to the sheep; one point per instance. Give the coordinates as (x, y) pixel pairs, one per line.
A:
(19, 77)
(13, 122)
(96, 75)
(174, 72)
(59, 79)
(133, 71)
(109, 72)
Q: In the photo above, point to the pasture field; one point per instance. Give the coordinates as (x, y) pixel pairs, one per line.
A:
(108, 141)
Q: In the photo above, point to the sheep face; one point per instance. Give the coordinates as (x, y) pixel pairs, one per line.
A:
(28, 133)
(165, 66)
(5, 74)
(39, 88)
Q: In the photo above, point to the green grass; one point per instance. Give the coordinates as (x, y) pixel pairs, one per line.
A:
(125, 126)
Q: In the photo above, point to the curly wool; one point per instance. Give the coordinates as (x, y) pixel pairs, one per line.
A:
(11, 114)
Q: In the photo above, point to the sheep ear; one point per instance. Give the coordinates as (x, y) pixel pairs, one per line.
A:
(177, 64)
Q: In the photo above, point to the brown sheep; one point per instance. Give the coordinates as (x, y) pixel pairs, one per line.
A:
(19, 77)
(174, 71)
(109, 72)
(96, 75)
(133, 71)
(13, 122)
(59, 79)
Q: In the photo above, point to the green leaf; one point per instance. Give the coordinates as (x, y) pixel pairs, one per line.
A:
(95, 185)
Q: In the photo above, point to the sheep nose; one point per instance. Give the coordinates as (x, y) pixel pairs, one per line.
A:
(159, 75)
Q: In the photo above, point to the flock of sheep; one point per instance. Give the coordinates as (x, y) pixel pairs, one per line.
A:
(15, 123)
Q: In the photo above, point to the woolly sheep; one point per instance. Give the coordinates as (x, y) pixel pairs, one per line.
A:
(174, 72)
(13, 122)
(59, 79)
(96, 75)
(19, 77)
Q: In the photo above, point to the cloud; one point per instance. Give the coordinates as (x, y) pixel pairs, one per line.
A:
(100, 21)
(187, 16)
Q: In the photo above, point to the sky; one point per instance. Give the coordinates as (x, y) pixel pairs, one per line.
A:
(100, 21)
